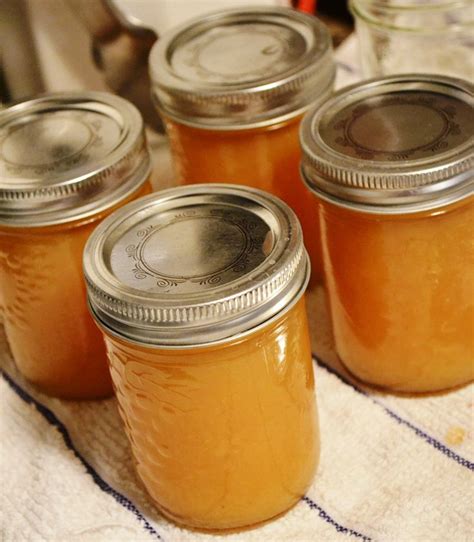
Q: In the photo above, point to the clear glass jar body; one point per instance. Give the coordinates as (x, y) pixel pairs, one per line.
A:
(267, 158)
(401, 291)
(413, 36)
(51, 334)
(223, 436)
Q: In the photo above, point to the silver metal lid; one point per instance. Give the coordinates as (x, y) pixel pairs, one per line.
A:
(242, 68)
(393, 145)
(195, 265)
(67, 156)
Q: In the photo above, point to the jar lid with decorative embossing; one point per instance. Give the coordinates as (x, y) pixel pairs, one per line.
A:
(393, 145)
(242, 68)
(195, 265)
(68, 156)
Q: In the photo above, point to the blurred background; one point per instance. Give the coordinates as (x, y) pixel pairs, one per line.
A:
(54, 45)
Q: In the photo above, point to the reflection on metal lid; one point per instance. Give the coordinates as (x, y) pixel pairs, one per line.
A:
(66, 156)
(393, 145)
(195, 264)
(240, 68)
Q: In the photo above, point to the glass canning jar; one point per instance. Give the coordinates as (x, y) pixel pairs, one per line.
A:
(199, 292)
(391, 161)
(66, 161)
(415, 36)
(232, 88)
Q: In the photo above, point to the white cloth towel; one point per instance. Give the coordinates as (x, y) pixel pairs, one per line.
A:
(392, 468)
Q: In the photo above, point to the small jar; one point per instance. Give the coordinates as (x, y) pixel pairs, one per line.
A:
(232, 88)
(199, 293)
(66, 161)
(391, 161)
(415, 36)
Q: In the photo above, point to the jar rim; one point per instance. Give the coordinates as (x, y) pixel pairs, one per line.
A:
(242, 335)
(219, 126)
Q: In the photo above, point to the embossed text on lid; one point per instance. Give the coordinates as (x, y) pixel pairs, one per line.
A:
(398, 144)
(194, 265)
(240, 68)
(66, 156)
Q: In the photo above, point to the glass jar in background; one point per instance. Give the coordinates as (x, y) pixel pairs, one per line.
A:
(235, 117)
(391, 161)
(66, 161)
(199, 292)
(415, 36)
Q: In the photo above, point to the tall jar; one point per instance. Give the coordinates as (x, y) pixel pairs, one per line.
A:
(232, 88)
(415, 36)
(66, 161)
(391, 161)
(199, 292)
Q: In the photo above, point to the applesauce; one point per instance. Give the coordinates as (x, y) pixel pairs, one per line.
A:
(235, 117)
(391, 162)
(209, 350)
(67, 161)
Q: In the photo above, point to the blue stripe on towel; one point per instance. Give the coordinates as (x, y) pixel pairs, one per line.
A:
(103, 485)
(328, 519)
(121, 499)
(419, 432)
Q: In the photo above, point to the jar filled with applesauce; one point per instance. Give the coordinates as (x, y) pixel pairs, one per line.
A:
(66, 161)
(200, 294)
(391, 161)
(232, 88)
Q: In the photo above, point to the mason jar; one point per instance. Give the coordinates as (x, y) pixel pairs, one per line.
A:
(391, 161)
(199, 292)
(415, 36)
(66, 161)
(232, 88)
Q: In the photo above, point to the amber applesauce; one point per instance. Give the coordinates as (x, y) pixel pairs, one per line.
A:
(209, 350)
(52, 196)
(41, 283)
(235, 118)
(223, 436)
(392, 161)
(267, 158)
(389, 330)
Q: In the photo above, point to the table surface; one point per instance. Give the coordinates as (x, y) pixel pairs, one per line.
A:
(392, 467)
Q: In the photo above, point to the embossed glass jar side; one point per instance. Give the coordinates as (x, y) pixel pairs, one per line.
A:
(223, 436)
(53, 340)
(235, 118)
(67, 161)
(51, 337)
(209, 349)
(391, 162)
